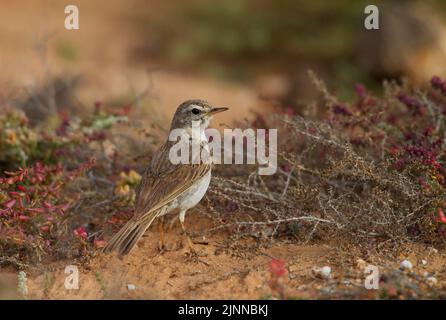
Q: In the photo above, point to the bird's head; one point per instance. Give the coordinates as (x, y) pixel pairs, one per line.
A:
(194, 110)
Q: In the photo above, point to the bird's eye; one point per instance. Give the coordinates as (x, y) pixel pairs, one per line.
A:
(195, 111)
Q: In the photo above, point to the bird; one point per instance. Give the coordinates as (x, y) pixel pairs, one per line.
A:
(165, 186)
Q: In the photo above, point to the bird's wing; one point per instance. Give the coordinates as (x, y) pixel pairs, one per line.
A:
(163, 182)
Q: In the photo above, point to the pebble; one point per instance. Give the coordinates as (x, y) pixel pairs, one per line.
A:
(323, 273)
(432, 250)
(131, 287)
(432, 281)
(406, 265)
(423, 262)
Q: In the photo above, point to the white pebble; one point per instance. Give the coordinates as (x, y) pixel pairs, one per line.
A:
(423, 262)
(425, 274)
(324, 272)
(432, 250)
(131, 287)
(432, 281)
(406, 265)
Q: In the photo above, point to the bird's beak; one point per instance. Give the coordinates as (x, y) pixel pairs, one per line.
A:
(217, 110)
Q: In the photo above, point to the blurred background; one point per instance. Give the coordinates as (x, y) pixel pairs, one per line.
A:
(108, 91)
(240, 53)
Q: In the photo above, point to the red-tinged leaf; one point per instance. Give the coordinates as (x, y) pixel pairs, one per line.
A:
(441, 217)
(10, 203)
(47, 205)
(277, 268)
(63, 207)
(10, 180)
(45, 228)
(23, 218)
(15, 194)
(21, 188)
(99, 243)
(81, 233)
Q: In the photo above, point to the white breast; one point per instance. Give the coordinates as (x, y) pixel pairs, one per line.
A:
(195, 193)
(192, 196)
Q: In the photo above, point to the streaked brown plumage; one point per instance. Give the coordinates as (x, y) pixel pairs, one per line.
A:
(166, 186)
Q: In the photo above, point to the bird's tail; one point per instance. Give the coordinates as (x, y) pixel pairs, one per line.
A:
(130, 233)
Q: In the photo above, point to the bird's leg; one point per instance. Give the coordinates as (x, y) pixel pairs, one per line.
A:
(161, 245)
(189, 241)
(171, 223)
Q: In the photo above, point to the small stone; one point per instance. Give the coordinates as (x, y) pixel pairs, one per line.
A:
(406, 265)
(423, 262)
(361, 264)
(432, 281)
(425, 274)
(323, 273)
(432, 250)
(131, 287)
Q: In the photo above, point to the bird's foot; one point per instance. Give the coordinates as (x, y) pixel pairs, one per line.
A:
(192, 254)
(161, 248)
(195, 256)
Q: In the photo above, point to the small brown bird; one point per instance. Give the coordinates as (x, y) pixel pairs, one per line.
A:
(165, 186)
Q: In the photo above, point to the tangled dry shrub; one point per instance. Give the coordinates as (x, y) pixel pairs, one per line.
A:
(365, 171)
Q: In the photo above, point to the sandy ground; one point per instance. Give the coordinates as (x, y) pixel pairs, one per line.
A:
(219, 271)
(238, 271)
